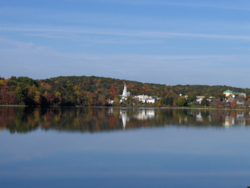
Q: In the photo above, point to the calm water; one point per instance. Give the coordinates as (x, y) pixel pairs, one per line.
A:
(118, 147)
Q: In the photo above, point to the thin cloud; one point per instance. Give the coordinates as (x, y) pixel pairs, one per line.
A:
(125, 33)
(40, 62)
(183, 4)
(139, 58)
(122, 19)
(45, 35)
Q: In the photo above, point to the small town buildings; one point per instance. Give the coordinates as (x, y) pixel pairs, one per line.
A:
(239, 101)
(185, 96)
(146, 98)
(200, 98)
(142, 98)
(110, 101)
(231, 93)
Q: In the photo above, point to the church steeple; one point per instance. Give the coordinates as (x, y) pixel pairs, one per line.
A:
(124, 89)
(125, 93)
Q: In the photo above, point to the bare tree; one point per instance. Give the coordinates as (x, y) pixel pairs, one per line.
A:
(216, 102)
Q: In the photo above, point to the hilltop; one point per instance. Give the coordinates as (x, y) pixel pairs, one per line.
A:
(93, 83)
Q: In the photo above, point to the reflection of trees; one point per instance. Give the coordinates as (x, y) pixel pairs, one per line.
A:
(24, 120)
(19, 120)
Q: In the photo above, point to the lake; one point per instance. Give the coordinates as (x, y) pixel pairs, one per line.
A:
(124, 147)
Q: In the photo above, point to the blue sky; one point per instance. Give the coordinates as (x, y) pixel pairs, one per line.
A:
(168, 42)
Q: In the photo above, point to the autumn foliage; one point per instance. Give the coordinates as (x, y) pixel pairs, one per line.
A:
(113, 92)
(93, 91)
(43, 84)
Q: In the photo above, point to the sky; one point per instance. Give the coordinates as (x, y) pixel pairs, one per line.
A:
(157, 41)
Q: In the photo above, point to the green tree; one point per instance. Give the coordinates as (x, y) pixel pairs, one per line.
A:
(204, 102)
(116, 101)
(159, 102)
(191, 98)
(28, 81)
(21, 93)
(11, 83)
(12, 88)
(181, 101)
(220, 96)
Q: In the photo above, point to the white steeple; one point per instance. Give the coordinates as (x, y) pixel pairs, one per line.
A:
(125, 93)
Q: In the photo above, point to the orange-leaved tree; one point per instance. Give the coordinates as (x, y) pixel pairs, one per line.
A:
(113, 92)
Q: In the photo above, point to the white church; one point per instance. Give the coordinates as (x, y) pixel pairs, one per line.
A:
(125, 93)
(141, 98)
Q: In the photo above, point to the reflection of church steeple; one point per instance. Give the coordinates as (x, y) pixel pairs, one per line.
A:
(125, 118)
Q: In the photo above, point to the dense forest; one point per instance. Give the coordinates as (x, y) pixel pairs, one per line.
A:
(94, 91)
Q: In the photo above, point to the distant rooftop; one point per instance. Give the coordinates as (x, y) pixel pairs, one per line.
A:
(228, 91)
(236, 93)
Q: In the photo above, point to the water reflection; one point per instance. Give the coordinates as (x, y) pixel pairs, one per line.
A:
(22, 120)
(124, 116)
(145, 114)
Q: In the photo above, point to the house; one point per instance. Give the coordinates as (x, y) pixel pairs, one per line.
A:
(199, 99)
(228, 93)
(210, 99)
(146, 98)
(109, 101)
(239, 101)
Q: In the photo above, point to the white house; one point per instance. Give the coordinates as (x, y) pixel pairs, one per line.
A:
(200, 98)
(146, 99)
(110, 101)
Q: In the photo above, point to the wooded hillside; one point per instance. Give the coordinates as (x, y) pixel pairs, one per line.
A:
(89, 91)
(93, 83)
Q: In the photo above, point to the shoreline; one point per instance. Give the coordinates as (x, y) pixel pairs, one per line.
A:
(185, 108)
(175, 108)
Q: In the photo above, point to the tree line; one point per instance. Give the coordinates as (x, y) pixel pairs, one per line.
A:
(95, 91)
